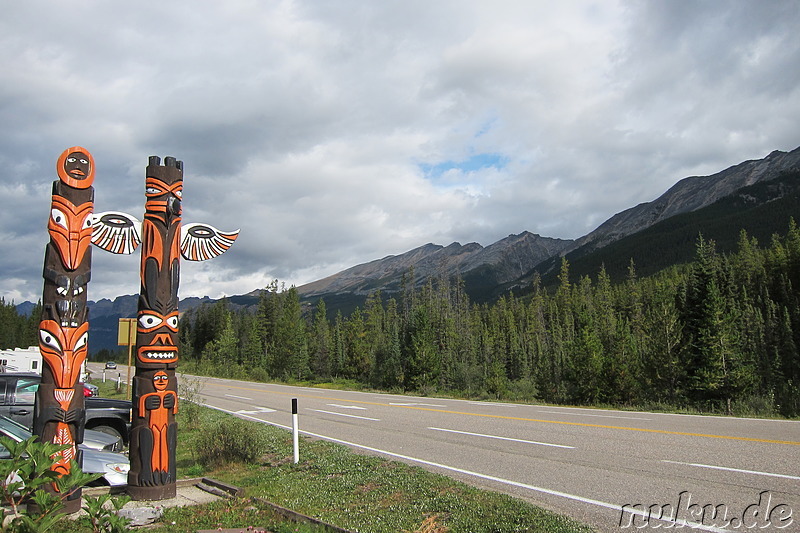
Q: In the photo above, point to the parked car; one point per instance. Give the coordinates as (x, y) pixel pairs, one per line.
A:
(102, 442)
(89, 390)
(111, 365)
(18, 393)
(113, 467)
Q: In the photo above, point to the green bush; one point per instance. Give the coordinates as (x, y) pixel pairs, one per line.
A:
(230, 440)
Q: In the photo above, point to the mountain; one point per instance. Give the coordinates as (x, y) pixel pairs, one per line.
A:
(483, 269)
(758, 195)
(490, 271)
(689, 194)
(762, 210)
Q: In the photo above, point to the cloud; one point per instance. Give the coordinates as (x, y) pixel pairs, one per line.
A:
(338, 133)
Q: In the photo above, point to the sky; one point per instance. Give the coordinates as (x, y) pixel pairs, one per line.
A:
(334, 133)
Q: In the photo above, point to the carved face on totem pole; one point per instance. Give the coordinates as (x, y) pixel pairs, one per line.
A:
(75, 167)
(157, 328)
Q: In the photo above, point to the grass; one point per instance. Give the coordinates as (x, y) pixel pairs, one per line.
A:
(237, 513)
(109, 388)
(333, 484)
(363, 493)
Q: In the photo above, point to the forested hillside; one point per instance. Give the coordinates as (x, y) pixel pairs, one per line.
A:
(18, 330)
(762, 209)
(719, 334)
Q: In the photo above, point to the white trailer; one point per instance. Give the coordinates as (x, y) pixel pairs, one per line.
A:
(21, 360)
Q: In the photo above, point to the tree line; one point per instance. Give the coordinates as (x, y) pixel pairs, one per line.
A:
(18, 330)
(719, 334)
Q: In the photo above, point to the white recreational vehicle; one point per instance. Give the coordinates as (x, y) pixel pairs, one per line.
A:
(28, 360)
(21, 360)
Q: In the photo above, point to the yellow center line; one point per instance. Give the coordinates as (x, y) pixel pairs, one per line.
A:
(582, 424)
(645, 430)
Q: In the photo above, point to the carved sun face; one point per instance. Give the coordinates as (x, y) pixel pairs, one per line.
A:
(78, 165)
(75, 167)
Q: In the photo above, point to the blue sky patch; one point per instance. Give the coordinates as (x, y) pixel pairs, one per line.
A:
(471, 164)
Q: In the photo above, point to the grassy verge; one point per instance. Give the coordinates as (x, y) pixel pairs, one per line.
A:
(109, 388)
(353, 491)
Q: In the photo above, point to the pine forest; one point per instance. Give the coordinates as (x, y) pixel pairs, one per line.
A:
(719, 335)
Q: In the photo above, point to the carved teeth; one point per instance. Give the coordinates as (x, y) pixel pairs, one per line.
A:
(159, 355)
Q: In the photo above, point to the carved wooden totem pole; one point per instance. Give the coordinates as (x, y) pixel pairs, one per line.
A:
(155, 389)
(64, 327)
(63, 330)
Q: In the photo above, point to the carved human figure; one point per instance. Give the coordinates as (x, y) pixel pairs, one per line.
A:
(158, 408)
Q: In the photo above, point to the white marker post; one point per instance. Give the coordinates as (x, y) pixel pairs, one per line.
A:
(295, 432)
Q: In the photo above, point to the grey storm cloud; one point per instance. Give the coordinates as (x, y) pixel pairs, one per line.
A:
(335, 133)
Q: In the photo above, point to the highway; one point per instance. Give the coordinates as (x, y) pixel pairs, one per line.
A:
(615, 470)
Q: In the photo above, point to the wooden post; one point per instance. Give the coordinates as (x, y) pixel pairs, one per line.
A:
(126, 336)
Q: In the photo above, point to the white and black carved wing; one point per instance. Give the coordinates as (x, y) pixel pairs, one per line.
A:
(116, 232)
(200, 242)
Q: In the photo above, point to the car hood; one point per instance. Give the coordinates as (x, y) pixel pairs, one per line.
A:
(97, 440)
(96, 459)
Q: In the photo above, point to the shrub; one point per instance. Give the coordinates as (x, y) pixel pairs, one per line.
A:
(230, 440)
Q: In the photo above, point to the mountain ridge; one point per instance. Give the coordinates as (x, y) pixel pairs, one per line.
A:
(512, 255)
(688, 194)
(492, 270)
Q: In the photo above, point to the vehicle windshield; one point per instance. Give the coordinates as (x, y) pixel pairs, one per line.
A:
(13, 429)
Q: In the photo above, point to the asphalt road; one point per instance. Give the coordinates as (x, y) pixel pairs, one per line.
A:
(602, 467)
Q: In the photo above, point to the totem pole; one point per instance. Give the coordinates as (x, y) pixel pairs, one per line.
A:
(155, 388)
(63, 329)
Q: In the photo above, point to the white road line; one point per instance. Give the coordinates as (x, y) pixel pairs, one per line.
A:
(493, 404)
(598, 416)
(255, 411)
(756, 472)
(502, 438)
(612, 506)
(411, 404)
(347, 406)
(343, 414)
(238, 397)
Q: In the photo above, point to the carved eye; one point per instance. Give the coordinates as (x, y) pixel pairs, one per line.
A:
(87, 222)
(49, 340)
(150, 321)
(82, 341)
(153, 190)
(85, 161)
(179, 194)
(172, 322)
(72, 159)
(59, 218)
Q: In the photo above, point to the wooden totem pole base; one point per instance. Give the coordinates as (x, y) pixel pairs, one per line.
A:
(157, 492)
(72, 506)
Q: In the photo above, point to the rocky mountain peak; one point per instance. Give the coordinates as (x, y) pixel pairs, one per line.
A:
(689, 194)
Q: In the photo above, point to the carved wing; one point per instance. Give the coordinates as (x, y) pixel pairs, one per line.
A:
(116, 232)
(202, 241)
